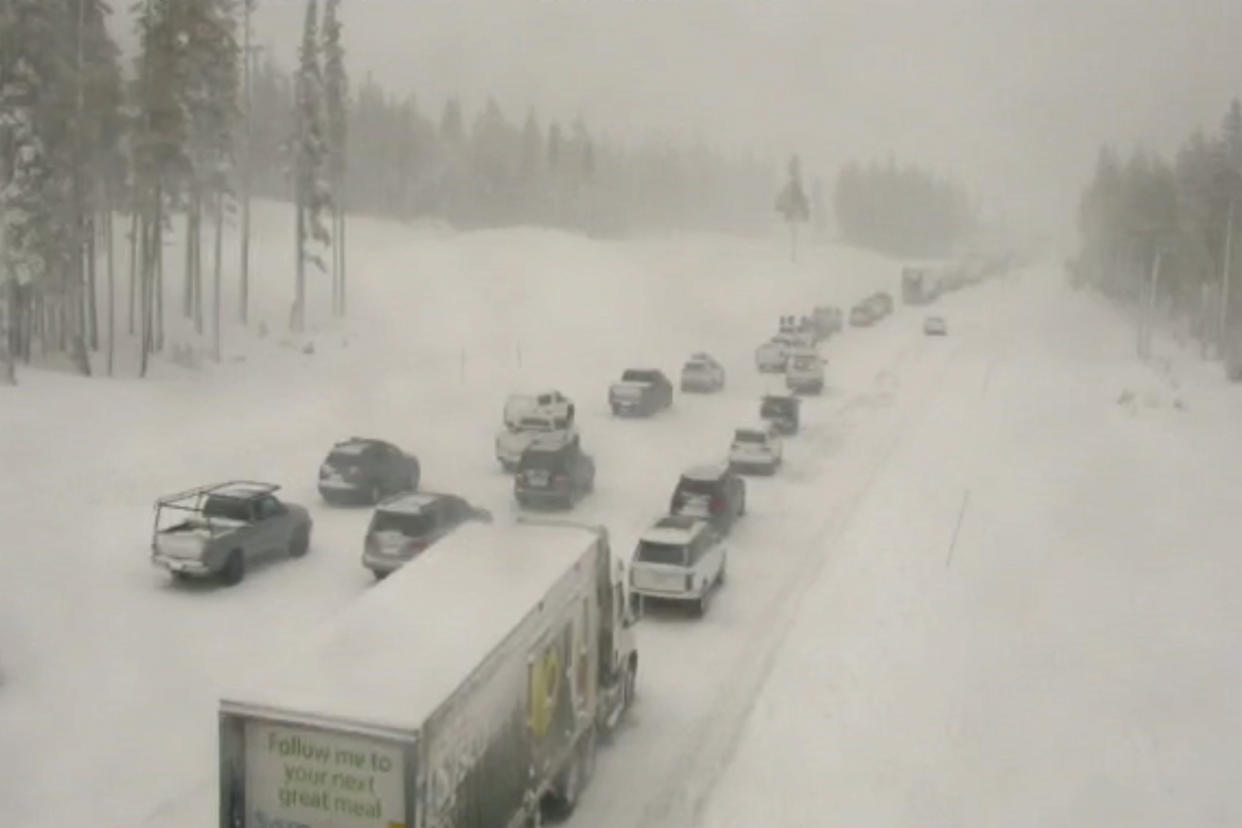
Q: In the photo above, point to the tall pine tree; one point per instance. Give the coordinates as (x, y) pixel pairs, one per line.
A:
(310, 157)
(336, 104)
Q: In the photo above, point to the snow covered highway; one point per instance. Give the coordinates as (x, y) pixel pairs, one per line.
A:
(950, 606)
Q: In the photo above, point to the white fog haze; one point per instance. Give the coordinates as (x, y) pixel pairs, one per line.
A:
(620, 413)
(1012, 96)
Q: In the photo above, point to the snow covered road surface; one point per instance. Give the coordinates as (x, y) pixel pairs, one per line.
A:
(1074, 659)
(849, 651)
(111, 672)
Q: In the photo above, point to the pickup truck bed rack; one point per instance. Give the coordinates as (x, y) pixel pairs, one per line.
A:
(243, 488)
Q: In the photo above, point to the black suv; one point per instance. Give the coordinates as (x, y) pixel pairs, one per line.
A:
(405, 525)
(714, 493)
(641, 391)
(363, 469)
(553, 471)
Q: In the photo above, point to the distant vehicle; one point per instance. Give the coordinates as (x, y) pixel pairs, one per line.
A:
(863, 315)
(827, 319)
(802, 339)
(804, 373)
(547, 403)
(470, 690)
(512, 441)
(641, 391)
(714, 493)
(553, 472)
(368, 470)
(883, 302)
(918, 285)
(702, 373)
(218, 530)
(771, 356)
(935, 326)
(788, 323)
(403, 526)
(679, 559)
(756, 448)
(782, 412)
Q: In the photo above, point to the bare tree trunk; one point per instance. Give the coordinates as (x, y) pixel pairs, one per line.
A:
(109, 250)
(335, 268)
(299, 299)
(92, 302)
(340, 239)
(247, 139)
(219, 245)
(1226, 272)
(64, 303)
(133, 264)
(157, 252)
(187, 299)
(46, 322)
(197, 262)
(144, 311)
(11, 331)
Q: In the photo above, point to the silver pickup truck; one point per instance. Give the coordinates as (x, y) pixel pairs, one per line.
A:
(218, 530)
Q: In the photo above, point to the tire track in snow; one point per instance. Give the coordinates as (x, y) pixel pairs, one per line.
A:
(680, 800)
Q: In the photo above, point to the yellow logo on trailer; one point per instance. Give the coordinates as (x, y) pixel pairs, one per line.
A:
(545, 686)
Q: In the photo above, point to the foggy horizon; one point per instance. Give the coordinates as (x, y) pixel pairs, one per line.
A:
(1013, 99)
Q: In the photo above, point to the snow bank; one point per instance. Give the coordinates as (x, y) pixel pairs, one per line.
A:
(1067, 654)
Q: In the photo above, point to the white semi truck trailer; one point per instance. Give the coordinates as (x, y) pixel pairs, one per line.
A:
(469, 689)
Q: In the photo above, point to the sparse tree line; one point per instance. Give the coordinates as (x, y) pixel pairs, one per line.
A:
(203, 120)
(1163, 233)
(83, 141)
(488, 169)
(903, 211)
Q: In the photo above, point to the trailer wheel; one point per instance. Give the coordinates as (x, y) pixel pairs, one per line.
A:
(568, 786)
(587, 749)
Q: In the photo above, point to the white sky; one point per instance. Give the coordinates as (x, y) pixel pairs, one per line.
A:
(1012, 96)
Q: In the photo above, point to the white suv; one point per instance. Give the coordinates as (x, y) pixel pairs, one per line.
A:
(514, 439)
(756, 448)
(804, 372)
(680, 559)
(547, 403)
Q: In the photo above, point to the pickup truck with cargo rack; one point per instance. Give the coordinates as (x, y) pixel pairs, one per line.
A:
(218, 530)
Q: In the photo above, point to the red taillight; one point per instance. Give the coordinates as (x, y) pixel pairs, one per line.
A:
(718, 504)
(560, 480)
(415, 546)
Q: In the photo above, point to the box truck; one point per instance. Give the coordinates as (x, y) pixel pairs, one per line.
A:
(469, 689)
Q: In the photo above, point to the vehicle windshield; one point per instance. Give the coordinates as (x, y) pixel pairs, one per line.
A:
(671, 554)
(339, 459)
(805, 363)
(690, 486)
(776, 408)
(410, 524)
(638, 376)
(749, 436)
(545, 460)
(227, 508)
(537, 424)
(695, 366)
